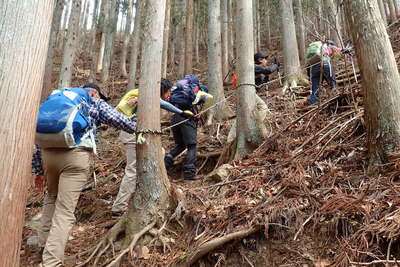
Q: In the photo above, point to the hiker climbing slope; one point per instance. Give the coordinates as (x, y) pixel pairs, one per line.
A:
(66, 150)
(191, 96)
(128, 107)
(261, 68)
(316, 53)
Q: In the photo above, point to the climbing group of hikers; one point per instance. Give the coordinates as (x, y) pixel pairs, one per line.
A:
(66, 139)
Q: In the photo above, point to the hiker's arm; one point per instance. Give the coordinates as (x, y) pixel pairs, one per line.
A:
(37, 167)
(104, 113)
(169, 107)
(266, 70)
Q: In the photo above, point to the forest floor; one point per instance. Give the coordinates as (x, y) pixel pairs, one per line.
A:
(305, 189)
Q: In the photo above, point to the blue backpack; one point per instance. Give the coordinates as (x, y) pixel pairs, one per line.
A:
(63, 120)
(184, 92)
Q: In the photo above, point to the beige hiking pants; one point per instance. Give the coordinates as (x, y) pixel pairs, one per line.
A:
(66, 171)
(128, 183)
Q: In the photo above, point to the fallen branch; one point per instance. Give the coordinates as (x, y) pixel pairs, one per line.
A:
(217, 242)
(374, 262)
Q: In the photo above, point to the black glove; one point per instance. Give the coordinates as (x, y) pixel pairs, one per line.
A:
(347, 50)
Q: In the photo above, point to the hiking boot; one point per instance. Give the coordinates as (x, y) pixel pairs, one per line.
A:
(189, 172)
(168, 160)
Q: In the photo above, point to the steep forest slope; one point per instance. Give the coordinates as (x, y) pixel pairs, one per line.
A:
(301, 199)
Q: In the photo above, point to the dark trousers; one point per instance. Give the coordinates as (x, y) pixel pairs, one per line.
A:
(185, 136)
(328, 75)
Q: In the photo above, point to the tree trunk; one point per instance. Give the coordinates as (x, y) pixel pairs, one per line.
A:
(96, 34)
(293, 70)
(127, 36)
(55, 28)
(65, 20)
(104, 17)
(333, 18)
(152, 200)
(268, 42)
(108, 50)
(382, 11)
(135, 45)
(164, 63)
(24, 38)
(221, 111)
(189, 37)
(251, 130)
(180, 6)
(71, 44)
(393, 10)
(300, 34)
(231, 44)
(380, 79)
(225, 39)
(254, 21)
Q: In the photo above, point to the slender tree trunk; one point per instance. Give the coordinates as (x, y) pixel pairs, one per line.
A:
(231, 44)
(254, 21)
(225, 39)
(393, 10)
(290, 51)
(268, 42)
(24, 38)
(196, 36)
(127, 36)
(55, 27)
(251, 130)
(396, 7)
(135, 45)
(152, 200)
(300, 34)
(180, 35)
(380, 79)
(382, 11)
(164, 64)
(96, 34)
(189, 37)
(104, 17)
(71, 44)
(110, 36)
(215, 85)
(387, 11)
(333, 17)
(65, 21)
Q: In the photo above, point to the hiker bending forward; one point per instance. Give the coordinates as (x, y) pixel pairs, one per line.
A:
(191, 96)
(261, 68)
(66, 161)
(128, 107)
(318, 52)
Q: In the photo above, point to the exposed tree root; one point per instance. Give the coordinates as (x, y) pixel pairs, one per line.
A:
(132, 244)
(217, 242)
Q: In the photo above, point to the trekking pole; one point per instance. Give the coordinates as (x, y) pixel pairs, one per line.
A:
(279, 73)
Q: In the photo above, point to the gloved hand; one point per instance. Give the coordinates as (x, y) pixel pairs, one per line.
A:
(186, 114)
(347, 50)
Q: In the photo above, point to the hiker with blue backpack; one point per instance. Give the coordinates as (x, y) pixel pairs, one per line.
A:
(128, 107)
(190, 96)
(322, 52)
(65, 135)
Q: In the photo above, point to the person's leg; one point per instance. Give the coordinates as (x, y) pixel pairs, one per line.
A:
(128, 183)
(189, 134)
(180, 146)
(73, 177)
(315, 81)
(51, 168)
(330, 75)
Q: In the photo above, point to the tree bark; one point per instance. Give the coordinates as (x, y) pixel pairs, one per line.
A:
(392, 11)
(251, 130)
(127, 36)
(164, 64)
(24, 38)
(382, 11)
(231, 44)
(135, 45)
(152, 200)
(293, 70)
(225, 39)
(65, 20)
(71, 44)
(334, 26)
(108, 50)
(189, 37)
(96, 33)
(104, 17)
(180, 12)
(55, 28)
(380, 79)
(221, 111)
(300, 34)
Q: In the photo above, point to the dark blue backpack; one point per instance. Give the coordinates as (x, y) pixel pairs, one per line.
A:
(184, 92)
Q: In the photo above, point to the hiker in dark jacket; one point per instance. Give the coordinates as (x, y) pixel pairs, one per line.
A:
(185, 133)
(261, 68)
(313, 59)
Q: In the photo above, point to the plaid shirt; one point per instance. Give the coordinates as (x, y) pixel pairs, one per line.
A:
(99, 112)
